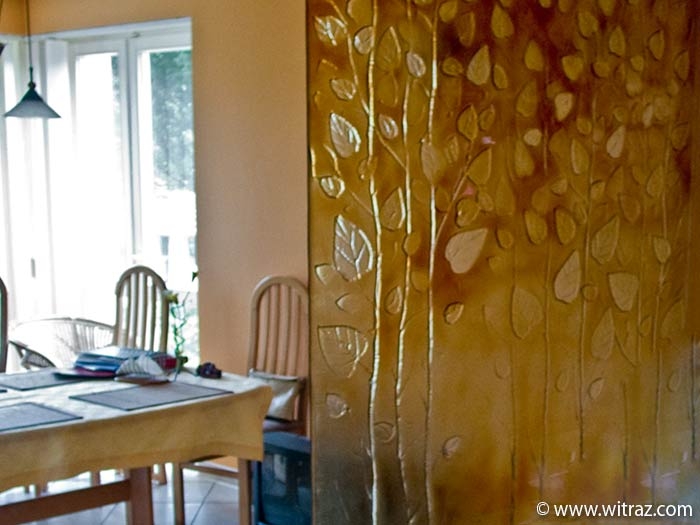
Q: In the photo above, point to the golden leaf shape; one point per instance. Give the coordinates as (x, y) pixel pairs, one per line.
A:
(500, 77)
(601, 68)
(452, 150)
(411, 243)
(534, 59)
(587, 24)
(590, 292)
(603, 338)
(528, 98)
(479, 169)
(453, 312)
(617, 42)
(353, 303)
(393, 302)
(655, 182)
(364, 40)
(504, 201)
(468, 123)
(637, 62)
(657, 44)
(479, 68)
(573, 66)
(346, 140)
(562, 381)
(541, 200)
(485, 201)
(681, 65)
(675, 380)
(505, 237)
(526, 312)
(432, 162)
(452, 67)
(467, 211)
(567, 282)
(623, 288)
(336, 406)
(385, 431)
(679, 136)
(342, 348)
(324, 273)
(532, 137)
(332, 186)
(607, 7)
(487, 118)
(464, 248)
(605, 241)
(524, 163)
(393, 211)
(597, 190)
(563, 104)
(536, 227)
(329, 29)
(580, 159)
(565, 225)
(352, 255)
(466, 27)
(388, 127)
(415, 64)
(616, 142)
(343, 89)
(634, 85)
(631, 208)
(596, 388)
(501, 23)
(674, 321)
(451, 446)
(448, 11)
(388, 56)
(560, 186)
(420, 280)
(662, 249)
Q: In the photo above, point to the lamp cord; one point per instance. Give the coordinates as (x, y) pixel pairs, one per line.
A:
(29, 45)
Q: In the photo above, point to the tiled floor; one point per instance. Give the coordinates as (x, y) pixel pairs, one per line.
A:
(209, 500)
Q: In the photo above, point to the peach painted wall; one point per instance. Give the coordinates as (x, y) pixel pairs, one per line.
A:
(250, 143)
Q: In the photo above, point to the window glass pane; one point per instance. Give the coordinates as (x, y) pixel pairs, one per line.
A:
(167, 177)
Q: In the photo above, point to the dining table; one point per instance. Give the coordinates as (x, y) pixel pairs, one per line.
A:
(54, 426)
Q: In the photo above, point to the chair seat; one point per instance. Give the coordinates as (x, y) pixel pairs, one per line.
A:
(278, 425)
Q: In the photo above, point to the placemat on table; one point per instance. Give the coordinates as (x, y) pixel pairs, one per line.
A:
(35, 379)
(145, 396)
(30, 414)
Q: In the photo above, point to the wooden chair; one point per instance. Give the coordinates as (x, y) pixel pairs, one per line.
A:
(278, 346)
(142, 310)
(3, 326)
(142, 318)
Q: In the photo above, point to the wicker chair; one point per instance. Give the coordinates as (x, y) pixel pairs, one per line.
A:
(56, 341)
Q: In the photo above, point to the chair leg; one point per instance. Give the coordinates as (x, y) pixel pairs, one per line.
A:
(95, 478)
(244, 486)
(178, 494)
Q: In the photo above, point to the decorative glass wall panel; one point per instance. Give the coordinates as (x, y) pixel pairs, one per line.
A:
(500, 247)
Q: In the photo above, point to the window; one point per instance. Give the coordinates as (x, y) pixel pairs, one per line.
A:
(116, 174)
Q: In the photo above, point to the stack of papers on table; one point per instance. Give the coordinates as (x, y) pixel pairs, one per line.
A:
(107, 361)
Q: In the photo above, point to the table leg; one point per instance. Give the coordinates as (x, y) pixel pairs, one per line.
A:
(244, 491)
(139, 508)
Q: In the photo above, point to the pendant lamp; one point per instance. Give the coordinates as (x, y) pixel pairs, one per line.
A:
(31, 105)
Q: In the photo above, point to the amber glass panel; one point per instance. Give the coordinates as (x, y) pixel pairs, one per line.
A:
(500, 239)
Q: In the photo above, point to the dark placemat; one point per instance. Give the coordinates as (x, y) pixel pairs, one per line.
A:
(146, 396)
(35, 379)
(24, 415)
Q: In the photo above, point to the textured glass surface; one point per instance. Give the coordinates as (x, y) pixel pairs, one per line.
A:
(500, 239)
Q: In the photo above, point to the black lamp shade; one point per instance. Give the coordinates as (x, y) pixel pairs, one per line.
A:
(32, 106)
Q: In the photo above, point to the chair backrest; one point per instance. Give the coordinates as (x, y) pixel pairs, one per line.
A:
(279, 339)
(142, 310)
(61, 339)
(3, 326)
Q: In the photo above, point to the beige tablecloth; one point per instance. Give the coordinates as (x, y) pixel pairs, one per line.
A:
(229, 424)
